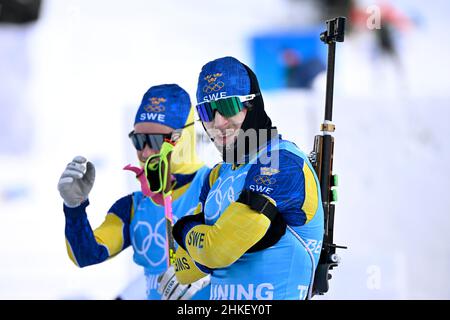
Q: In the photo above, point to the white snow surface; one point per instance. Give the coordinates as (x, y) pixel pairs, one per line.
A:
(91, 62)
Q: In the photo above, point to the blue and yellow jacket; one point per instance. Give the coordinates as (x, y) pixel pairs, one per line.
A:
(221, 242)
(137, 221)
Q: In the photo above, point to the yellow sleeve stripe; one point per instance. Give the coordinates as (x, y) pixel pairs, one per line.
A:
(311, 198)
(132, 209)
(185, 269)
(214, 174)
(70, 253)
(180, 191)
(199, 208)
(221, 244)
(110, 234)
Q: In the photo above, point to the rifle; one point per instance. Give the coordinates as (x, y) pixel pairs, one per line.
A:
(322, 160)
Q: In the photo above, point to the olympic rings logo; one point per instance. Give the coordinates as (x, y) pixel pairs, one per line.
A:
(265, 180)
(208, 88)
(152, 241)
(155, 108)
(222, 195)
(152, 238)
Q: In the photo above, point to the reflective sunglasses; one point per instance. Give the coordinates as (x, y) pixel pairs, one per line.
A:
(154, 140)
(227, 107)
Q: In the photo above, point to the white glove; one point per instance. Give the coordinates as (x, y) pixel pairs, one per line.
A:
(76, 181)
(170, 289)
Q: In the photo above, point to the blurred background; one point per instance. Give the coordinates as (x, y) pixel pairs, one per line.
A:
(72, 74)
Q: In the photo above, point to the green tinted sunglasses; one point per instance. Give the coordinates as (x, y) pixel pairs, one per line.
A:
(227, 107)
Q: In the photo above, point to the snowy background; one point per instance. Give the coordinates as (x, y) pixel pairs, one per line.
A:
(70, 85)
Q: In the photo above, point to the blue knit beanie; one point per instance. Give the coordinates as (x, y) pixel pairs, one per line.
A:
(166, 104)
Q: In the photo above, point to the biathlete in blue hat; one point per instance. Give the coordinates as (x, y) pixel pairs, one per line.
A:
(138, 219)
(259, 224)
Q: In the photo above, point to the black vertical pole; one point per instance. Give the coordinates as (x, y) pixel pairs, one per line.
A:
(330, 82)
(323, 148)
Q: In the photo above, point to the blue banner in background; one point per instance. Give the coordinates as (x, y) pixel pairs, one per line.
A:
(290, 59)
